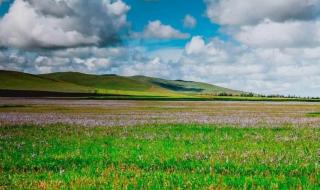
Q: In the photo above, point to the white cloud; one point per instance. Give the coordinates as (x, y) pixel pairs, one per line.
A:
(189, 21)
(83, 59)
(152, 67)
(237, 12)
(196, 45)
(157, 30)
(169, 54)
(268, 24)
(287, 34)
(32, 24)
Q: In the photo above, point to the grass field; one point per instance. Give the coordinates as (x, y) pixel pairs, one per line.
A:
(159, 157)
(93, 144)
(21, 81)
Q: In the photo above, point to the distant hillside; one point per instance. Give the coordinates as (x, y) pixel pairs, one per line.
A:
(11, 80)
(86, 83)
(185, 86)
(111, 82)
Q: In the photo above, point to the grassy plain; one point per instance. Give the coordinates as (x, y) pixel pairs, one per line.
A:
(106, 144)
(171, 156)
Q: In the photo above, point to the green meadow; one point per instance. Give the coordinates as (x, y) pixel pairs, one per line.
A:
(105, 84)
(160, 156)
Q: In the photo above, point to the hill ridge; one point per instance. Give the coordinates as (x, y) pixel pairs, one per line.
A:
(105, 83)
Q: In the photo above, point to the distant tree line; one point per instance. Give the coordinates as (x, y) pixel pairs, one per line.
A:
(250, 94)
(230, 94)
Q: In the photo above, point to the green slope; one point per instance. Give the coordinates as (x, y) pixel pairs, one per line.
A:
(110, 82)
(106, 84)
(186, 86)
(11, 80)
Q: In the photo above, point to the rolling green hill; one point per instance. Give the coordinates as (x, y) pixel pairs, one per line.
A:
(112, 82)
(11, 80)
(185, 86)
(105, 84)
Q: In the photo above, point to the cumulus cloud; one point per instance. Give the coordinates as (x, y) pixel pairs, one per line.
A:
(150, 67)
(157, 30)
(82, 59)
(189, 21)
(268, 24)
(196, 45)
(32, 24)
(274, 34)
(169, 54)
(235, 12)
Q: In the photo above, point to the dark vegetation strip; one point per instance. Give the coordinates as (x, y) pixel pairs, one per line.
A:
(313, 114)
(12, 106)
(32, 93)
(93, 96)
(215, 98)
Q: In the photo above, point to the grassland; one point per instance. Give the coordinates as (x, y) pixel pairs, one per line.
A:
(107, 144)
(108, 85)
(168, 156)
(130, 113)
(110, 82)
(21, 81)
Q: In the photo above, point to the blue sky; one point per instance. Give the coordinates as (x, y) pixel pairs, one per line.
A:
(4, 7)
(172, 13)
(269, 47)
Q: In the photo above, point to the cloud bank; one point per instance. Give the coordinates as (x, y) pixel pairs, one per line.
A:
(32, 24)
(268, 24)
(250, 12)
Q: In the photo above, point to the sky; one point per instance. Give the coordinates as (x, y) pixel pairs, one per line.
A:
(267, 47)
